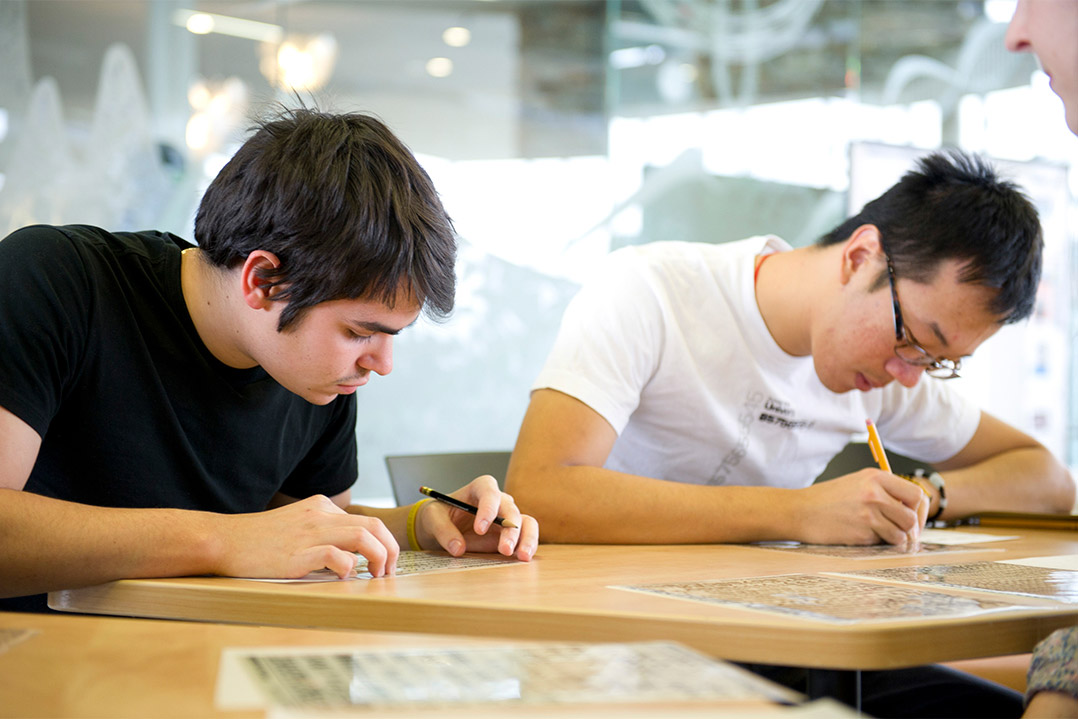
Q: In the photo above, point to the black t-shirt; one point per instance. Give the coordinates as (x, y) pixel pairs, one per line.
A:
(99, 355)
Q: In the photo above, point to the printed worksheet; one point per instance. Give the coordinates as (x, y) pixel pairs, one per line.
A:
(408, 562)
(1061, 561)
(957, 536)
(826, 598)
(557, 673)
(933, 541)
(1000, 577)
(871, 551)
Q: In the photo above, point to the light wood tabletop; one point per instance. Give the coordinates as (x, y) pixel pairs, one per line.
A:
(564, 593)
(84, 666)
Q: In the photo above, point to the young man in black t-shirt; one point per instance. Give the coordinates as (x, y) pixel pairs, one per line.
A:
(173, 409)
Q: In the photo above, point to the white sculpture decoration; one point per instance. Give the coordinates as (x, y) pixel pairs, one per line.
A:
(111, 175)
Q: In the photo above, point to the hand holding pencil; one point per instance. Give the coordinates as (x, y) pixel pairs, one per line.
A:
(478, 517)
(470, 508)
(878, 454)
(875, 445)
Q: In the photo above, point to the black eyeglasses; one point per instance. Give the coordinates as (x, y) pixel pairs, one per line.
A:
(907, 348)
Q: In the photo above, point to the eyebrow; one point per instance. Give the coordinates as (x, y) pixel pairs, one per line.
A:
(939, 334)
(378, 327)
(934, 326)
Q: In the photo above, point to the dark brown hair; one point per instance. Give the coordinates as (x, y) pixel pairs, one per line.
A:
(342, 203)
(955, 206)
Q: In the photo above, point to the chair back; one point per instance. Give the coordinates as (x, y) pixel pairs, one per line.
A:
(857, 455)
(444, 472)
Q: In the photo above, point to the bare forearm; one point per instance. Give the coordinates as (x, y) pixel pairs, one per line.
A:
(580, 504)
(556, 475)
(395, 519)
(47, 544)
(1023, 480)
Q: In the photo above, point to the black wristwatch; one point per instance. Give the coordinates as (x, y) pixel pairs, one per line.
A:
(936, 481)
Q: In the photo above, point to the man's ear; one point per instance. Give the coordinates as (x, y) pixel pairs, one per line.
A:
(862, 250)
(257, 290)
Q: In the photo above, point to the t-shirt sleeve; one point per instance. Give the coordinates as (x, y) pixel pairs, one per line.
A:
(44, 299)
(931, 421)
(610, 341)
(331, 466)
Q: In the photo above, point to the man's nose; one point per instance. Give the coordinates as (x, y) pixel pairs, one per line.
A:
(377, 355)
(906, 373)
(1015, 39)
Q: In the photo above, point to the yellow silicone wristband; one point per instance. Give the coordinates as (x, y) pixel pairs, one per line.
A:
(413, 542)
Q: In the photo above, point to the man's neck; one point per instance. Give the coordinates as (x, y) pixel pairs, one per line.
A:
(207, 292)
(786, 293)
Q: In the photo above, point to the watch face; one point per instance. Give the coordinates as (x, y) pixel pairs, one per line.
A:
(937, 481)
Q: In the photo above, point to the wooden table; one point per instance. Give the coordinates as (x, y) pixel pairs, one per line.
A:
(564, 594)
(82, 666)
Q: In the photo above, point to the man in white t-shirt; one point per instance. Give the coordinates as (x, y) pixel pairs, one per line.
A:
(695, 391)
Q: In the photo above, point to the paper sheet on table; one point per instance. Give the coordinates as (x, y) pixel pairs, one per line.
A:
(408, 562)
(510, 675)
(1002, 577)
(954, 536)
(1063, 561)
(816, 709)
(826, 597)
(933, 541)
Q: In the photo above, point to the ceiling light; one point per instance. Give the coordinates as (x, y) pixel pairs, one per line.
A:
(202, 23)
(198, 131)
(629, 57)
(199, 95)
(456, 36)
(439, 67)
(301, 62)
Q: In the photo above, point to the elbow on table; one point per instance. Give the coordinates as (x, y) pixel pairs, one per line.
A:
(1065, 494)
(1055, 493)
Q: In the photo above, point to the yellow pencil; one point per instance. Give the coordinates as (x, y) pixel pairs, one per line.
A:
(876, 446)
(880, 456)
(470, 508)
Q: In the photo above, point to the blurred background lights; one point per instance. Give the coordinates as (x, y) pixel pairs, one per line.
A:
(630, 57)
(300, 62)
(439, 67)
(217, 108)
(456, 36)
(203, 23)
(197, 135)
(198, 95)
(200, 23)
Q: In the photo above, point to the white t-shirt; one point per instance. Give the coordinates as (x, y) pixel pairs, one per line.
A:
(668, 345)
